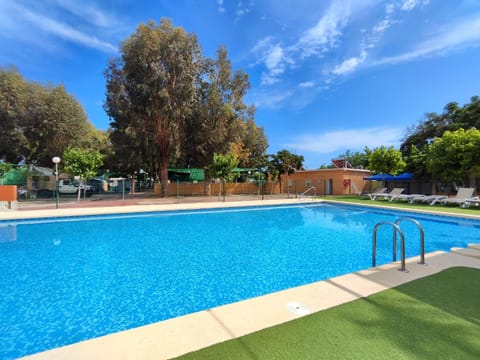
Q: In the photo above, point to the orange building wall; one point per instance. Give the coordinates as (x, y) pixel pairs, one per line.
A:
(8, 192)
(342, 181)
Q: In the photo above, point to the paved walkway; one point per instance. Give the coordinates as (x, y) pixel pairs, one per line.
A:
(136, 199)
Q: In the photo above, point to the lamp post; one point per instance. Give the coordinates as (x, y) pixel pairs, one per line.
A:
(56, 160)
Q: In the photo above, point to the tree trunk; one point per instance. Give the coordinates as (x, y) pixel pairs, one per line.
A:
(162, 142)
(163, 176)
(207, 182)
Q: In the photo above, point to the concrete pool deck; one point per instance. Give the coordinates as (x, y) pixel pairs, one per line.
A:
(174, 337)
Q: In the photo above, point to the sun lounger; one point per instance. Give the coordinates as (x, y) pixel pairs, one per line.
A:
(407, 197)
(474, 200)
(389, 196)
(432, 199)
(376, 192)
(462, 195)
(427, 199)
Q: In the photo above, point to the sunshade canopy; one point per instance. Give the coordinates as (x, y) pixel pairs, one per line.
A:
(387, 177)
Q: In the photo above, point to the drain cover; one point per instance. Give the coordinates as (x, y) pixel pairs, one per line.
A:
(298, 308)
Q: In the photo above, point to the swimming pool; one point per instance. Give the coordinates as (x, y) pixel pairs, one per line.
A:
(69, 279)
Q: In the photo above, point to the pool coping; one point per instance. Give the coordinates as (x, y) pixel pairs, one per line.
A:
(177, 336)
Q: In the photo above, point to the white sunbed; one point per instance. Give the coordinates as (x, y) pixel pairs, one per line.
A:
(460, 198)
(407, 197)
(474, 200)
(389, 196)
(376, 192)
(428, 199)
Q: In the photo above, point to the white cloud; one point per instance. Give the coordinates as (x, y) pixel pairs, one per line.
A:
(389, 8)
(220, 8)
(307, 84)
(66, 32)
(273, 56)
(383, 25)
(317, 40)
(336, 141)
(271, 100)
(87, 12)
(326, 32)
(408, 5)
(24, 17)
(349, 65)
(465, 32)
(243, 8)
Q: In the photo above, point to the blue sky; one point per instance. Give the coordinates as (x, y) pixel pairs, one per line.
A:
(326, 75)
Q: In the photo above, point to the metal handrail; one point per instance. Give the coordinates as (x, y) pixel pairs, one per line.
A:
(422, 236)
(310, 188)
(402, 236)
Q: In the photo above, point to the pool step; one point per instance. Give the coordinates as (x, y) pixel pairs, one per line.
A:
(474, 246)
(471, 252)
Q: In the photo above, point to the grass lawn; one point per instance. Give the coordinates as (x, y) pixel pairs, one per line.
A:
(456, 210)
(437, 317)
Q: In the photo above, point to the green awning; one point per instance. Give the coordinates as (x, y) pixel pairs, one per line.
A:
(188, 174)
(245, 170)
(15, 177)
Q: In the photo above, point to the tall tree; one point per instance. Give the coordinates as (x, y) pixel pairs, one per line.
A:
(155, 83)
(383, 160)
(452, 118)
(456, 156)
(221, 120)
(255, 145)
(38, 121)
(13, 92)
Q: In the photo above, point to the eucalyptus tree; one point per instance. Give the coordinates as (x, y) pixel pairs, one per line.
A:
(221, 121)
(255, 145)
(152, 86)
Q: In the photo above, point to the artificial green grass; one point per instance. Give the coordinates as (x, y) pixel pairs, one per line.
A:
(454, 210)
(437, 317)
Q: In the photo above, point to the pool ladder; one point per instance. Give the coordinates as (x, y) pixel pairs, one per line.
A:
(397, 229)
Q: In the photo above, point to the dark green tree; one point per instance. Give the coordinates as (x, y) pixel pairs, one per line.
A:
(284, 162)
(83, 163)
(383, 160)
(455, 156)
(452, 118)
(357, 159)
(221, 168)
(38, 122)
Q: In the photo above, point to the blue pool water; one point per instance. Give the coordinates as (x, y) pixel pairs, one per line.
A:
(70, 279)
